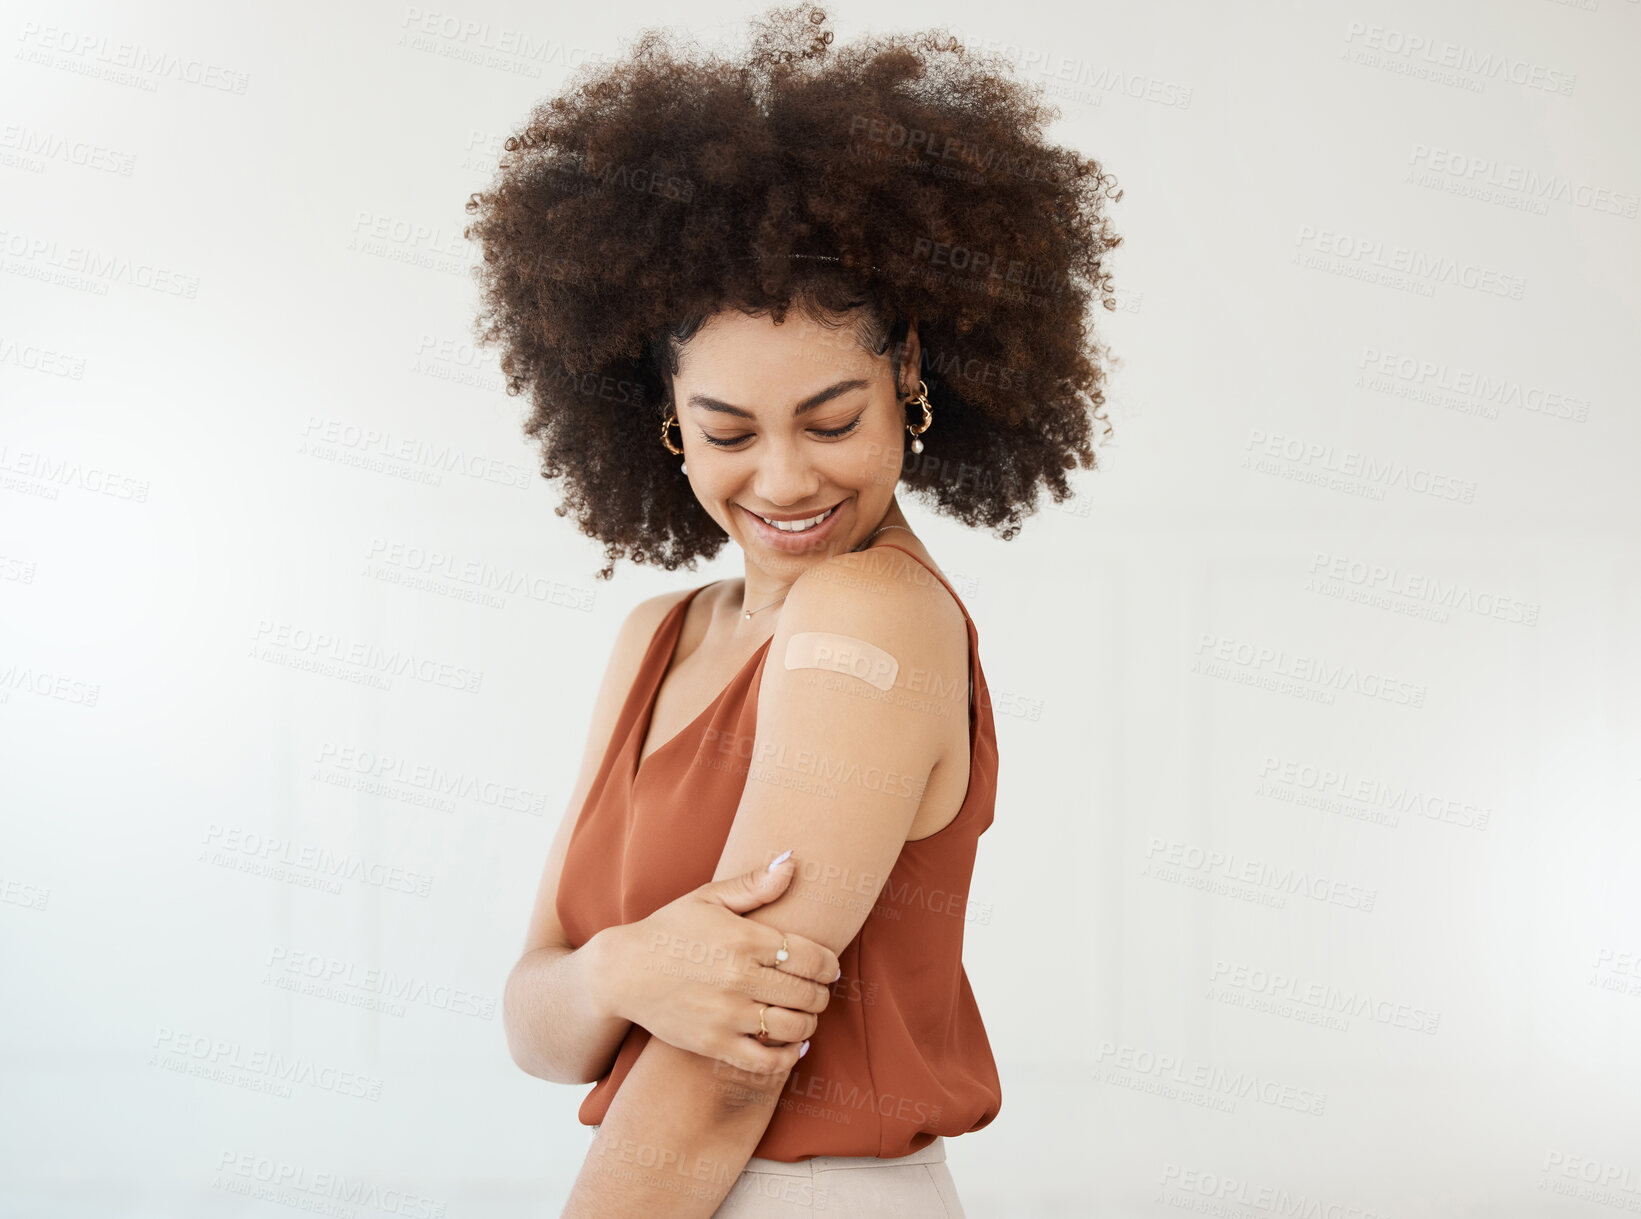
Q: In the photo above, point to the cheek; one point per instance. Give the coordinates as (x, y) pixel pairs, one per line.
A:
(878, 459)
(714, 485)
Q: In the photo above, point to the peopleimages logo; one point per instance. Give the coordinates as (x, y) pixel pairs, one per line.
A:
(123, 62)
(1216, 1194)
(1374, 471)
(381, 982)
(1494, 391)
(1234, 869)
(335, 655)
(1484, 174)
(483, 36)
(267, 1179)
(377, 770)
(1376, 261)
(1324, 996)
(261, 1070)
(369, 447)
(1441, 59)
(1278, 662)
(1130, 1066)
(1416, 588)
(50, 473)
(1288, 780)
(85, 269)
(279, 857)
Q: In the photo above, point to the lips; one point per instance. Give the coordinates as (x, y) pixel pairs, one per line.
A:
(809, 522)
(800, 541)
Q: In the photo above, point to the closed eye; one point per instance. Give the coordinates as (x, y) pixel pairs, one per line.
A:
(829, 433)
(841, 431)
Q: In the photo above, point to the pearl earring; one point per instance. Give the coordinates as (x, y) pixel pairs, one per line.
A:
(921, 398)
(666, 424)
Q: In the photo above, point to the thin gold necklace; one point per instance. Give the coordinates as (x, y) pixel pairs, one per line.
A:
(747, 614)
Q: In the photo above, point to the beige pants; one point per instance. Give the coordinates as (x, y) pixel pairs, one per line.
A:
(917, 1186)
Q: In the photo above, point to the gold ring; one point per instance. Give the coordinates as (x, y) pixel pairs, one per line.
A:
(762, 1030)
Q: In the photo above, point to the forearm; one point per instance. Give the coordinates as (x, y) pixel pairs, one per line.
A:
(675, 1139)
(559, 1015)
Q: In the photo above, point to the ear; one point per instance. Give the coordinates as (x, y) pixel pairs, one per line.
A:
(911, 362)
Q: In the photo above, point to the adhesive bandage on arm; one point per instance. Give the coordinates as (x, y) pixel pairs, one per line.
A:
(842, 654)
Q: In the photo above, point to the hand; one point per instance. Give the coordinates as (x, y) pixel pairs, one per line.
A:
(695, 974)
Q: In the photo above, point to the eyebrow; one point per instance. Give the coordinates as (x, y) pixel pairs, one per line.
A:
(808, 404)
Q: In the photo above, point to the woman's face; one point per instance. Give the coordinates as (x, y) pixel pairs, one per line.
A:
(790, 422)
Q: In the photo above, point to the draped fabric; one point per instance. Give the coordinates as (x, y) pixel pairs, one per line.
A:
(900, 1055)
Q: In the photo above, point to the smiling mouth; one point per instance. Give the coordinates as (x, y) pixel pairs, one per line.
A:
(800, 526)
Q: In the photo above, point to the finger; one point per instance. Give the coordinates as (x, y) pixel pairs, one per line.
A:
(779, 989)
(804, 957)
(749, 1064)
(755, 887)
(781, 1024)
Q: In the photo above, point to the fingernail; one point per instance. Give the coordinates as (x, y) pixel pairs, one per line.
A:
(780, 859)
(803, 1049)
(839, 973)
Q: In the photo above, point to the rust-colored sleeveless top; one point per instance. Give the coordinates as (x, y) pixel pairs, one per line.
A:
(900, 1054)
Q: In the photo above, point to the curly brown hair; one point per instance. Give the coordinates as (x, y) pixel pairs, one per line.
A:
(898, 179)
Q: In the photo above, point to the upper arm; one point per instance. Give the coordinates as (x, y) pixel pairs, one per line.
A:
(626, 654)
(837, 770)
(838, 766)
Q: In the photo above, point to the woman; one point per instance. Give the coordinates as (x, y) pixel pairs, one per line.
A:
(749, 301)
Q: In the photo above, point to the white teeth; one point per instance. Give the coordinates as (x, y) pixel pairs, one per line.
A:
(796, 526)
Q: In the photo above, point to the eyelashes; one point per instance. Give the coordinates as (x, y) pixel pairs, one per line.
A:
(722, 444)
(830, 434)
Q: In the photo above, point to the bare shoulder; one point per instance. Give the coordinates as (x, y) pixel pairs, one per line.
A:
(882, 581)
(626, 655)
(888, 598)
(632, 641)
(645, 617)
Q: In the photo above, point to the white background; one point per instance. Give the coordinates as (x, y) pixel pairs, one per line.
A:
(1335, 254)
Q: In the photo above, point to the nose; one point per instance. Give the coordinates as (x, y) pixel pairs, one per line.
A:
(785, 475)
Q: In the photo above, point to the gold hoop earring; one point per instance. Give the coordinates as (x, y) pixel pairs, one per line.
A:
(666, 425)
(921, 399)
